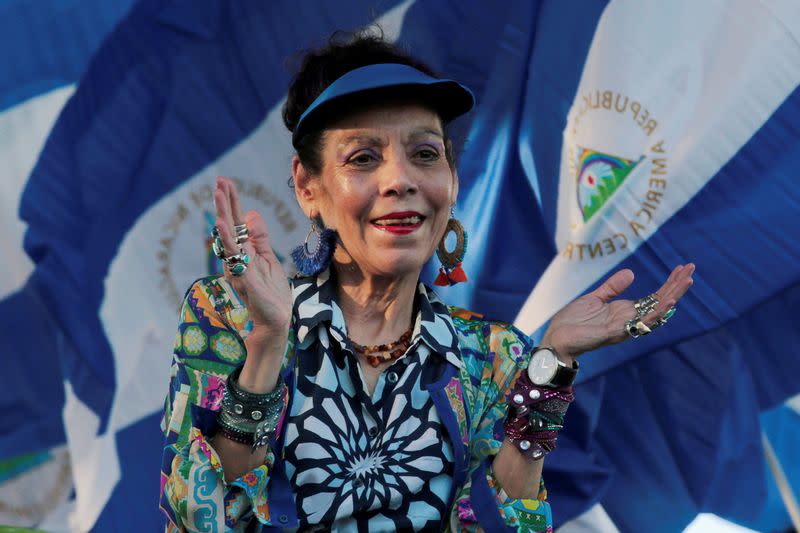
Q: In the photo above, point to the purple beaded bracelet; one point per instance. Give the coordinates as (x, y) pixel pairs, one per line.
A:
(526, 399)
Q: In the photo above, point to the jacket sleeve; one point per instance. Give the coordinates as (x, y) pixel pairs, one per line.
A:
(194, 493)
(493, 365)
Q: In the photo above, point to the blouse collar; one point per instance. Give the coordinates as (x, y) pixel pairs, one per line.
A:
(315, 304)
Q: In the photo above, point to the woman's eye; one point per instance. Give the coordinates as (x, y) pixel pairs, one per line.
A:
(427, 154)
(361, 159)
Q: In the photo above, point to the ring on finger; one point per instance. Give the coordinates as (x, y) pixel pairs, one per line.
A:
(238, 269)
(663, 320)
(645, 305)
(240, 229)
(242, 233)
(237, 263)
(636, 328)
(216, 243)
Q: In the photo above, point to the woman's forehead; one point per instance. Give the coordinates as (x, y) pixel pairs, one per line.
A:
(389, 120)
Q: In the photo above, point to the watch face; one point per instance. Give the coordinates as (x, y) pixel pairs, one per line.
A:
(543, 366)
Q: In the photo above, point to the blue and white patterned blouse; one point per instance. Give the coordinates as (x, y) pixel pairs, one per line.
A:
(356, 459)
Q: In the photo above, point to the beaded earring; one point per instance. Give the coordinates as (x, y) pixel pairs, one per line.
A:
(311, 263)
(451, 272)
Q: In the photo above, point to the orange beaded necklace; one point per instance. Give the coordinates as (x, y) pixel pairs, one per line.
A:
(380, 353)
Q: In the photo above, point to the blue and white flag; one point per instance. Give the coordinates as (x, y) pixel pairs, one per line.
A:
(635, 134)
(675, 149)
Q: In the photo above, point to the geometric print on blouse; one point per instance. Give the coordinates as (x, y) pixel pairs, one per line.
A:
(361, 463)
(489, 355)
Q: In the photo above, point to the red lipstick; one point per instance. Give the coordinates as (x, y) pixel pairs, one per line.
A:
(399, 222)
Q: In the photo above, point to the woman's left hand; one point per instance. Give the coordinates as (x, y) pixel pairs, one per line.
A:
(597, 319)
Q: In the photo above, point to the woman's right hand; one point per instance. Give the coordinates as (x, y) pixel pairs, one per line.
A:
(263, 287)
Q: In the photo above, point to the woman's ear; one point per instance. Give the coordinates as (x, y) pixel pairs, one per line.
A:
(305, 188)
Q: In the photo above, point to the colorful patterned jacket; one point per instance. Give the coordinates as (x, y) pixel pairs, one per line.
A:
(210, 344)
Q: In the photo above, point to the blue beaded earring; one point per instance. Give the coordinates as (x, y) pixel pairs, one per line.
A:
(313, 262)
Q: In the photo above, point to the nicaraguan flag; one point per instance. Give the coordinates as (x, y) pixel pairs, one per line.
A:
(633, 134)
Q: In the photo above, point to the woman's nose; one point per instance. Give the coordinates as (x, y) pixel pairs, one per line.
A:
(397, 179)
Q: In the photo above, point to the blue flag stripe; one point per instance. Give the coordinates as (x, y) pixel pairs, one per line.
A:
(48, 43)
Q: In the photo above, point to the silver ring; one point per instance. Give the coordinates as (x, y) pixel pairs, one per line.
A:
(216, 243)
(645, 305)
(237, 263)
(635, 328)
(242, 233)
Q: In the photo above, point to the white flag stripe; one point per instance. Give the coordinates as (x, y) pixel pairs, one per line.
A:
(23, 131)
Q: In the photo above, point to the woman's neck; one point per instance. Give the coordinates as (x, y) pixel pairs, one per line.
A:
(376, 310)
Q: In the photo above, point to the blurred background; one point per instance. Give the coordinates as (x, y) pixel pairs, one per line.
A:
(624, 134)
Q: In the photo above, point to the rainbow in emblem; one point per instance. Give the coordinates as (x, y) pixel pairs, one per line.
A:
(599, 176)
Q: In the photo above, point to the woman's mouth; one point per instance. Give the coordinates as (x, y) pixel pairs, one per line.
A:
(401, 223)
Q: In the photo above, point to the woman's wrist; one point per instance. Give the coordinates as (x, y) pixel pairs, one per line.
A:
(561, 350)
(517, 474)
(262, 366)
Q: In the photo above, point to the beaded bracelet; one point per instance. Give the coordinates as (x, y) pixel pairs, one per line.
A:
(247, 417)
(535, 416)
(246, 404)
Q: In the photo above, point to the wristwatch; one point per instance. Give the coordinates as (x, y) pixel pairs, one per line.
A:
(545, 369)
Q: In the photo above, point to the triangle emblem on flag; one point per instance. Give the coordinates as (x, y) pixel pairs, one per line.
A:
(598, 176)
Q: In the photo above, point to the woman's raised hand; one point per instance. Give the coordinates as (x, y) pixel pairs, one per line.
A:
(597, 319)
(264, 285)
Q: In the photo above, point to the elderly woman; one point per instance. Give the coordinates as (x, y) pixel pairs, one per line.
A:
(354, 399)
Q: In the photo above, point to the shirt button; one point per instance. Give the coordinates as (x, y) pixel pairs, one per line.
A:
(391, 377)
(358, 482)
(373, 432)
(283, 518)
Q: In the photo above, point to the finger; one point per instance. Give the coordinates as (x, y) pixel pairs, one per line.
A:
(231, 248)
(678, 286)
(615, 285)
(236, 206)
(257, 230)
(223, 202)
(262, 245)
(663, 292)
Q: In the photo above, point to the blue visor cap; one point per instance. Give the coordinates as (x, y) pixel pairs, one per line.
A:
(448, 98)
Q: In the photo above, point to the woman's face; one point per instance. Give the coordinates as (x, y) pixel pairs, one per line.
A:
(385, 186)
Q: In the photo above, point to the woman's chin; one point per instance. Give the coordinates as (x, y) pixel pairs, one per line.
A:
(391, 265)
(384, 262)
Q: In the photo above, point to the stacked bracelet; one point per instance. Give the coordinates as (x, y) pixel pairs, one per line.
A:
(535, 416)
(249, 418)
